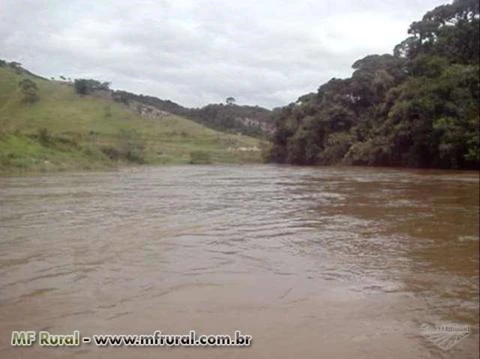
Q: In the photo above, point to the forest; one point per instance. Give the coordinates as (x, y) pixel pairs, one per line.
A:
(416, 107)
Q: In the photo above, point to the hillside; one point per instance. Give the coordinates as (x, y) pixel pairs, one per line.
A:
(417, 107)
(48, 126)
(248, 120)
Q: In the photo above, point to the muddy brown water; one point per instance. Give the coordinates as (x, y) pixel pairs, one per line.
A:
(312, 262)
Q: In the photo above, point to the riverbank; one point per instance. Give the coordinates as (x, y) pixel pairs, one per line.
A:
(58, 130)
(45, 152)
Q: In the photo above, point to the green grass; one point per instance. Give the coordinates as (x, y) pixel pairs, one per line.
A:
(64, 130)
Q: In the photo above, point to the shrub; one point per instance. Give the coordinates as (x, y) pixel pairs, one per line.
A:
(132, 146)
(29, 90)
(44, 136)
(200, 158)
(30, 96)
(111, 152)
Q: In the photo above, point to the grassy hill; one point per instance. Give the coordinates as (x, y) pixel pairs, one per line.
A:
(64, 130)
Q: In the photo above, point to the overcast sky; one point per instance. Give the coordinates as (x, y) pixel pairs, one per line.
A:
(265, 53)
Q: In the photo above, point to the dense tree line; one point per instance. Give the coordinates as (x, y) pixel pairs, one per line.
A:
(228, 117)
(248, 120)
(418, 107)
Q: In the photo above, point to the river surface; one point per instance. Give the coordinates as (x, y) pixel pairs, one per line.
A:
(312, 262)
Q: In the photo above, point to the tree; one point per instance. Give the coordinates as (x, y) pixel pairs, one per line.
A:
(88, 86)
(230, 100)
(29, 90)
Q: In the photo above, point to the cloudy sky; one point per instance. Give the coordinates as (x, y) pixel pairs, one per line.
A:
(266, 52)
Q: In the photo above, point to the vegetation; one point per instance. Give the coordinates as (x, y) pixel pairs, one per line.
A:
(62, 129)
(88, 86)
(29, 90)
(418, 107)
(248, 120)
(200, 158)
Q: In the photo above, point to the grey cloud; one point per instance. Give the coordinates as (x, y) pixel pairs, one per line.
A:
(195, 52)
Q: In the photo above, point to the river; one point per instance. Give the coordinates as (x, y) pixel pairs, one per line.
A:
(312, 262)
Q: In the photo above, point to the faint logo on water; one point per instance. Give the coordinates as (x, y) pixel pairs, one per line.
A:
(445, 336)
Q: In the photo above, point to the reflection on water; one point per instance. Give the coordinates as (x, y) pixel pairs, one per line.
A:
(313, 262)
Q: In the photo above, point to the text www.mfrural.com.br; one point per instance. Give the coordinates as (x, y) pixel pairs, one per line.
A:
(156, 339)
